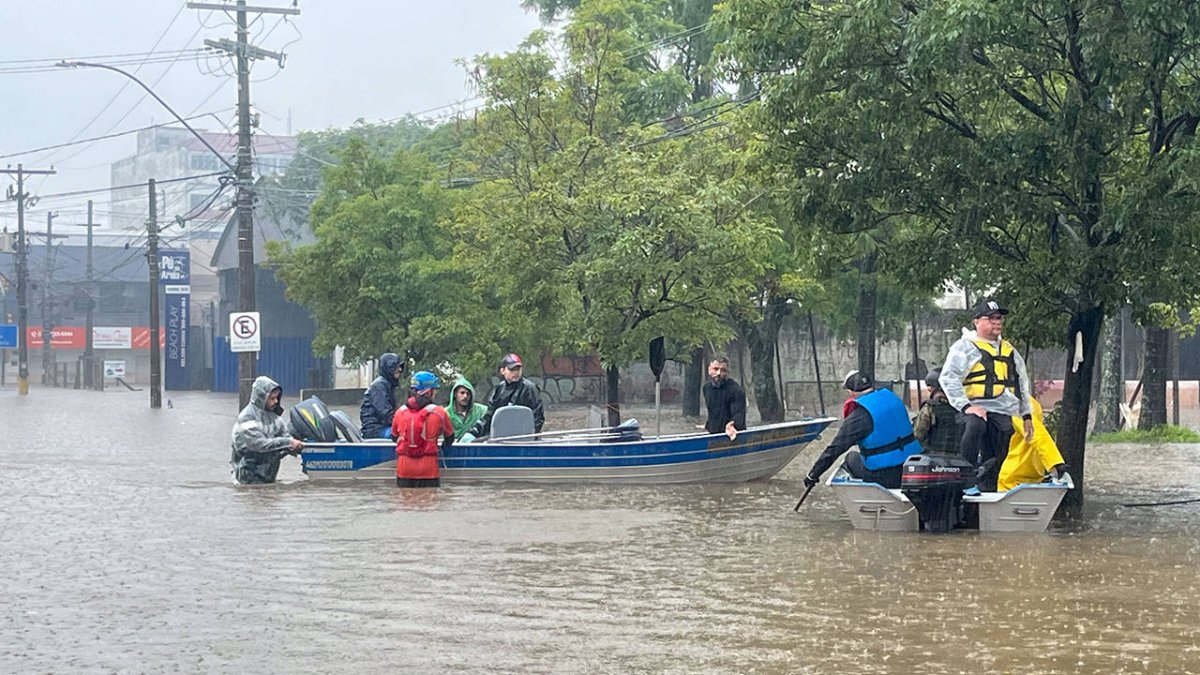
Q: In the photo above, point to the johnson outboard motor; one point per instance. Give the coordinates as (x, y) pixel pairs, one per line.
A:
(311, 421)
(935, 484)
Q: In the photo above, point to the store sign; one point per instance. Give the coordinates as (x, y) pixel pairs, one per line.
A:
(112, 337)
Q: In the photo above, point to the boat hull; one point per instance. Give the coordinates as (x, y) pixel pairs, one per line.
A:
(1025, 508)
(757, 454)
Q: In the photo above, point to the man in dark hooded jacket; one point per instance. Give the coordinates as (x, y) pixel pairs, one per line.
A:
(379, 400)
(260, 436)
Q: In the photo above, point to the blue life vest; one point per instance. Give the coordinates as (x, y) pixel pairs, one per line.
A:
(892, 441)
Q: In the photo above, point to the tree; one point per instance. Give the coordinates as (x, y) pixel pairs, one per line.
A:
(604, 232)
(1008, 130)
(382, 276)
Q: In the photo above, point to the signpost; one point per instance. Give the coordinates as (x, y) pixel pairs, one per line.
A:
(8, 336)
(245, 332)
(114, 369)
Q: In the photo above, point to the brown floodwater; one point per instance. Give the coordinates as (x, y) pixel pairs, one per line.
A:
(125, 547)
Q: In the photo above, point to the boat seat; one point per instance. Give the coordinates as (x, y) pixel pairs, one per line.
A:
(512, 420)
(348, 430)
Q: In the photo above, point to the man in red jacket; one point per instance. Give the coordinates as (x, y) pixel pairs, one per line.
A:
(416, 428)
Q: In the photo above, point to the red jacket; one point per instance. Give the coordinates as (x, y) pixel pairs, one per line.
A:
(416, 429)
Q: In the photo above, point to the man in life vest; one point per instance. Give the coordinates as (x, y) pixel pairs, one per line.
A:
(984, 378)
(877, 422)
(416, 428)
(936, 424)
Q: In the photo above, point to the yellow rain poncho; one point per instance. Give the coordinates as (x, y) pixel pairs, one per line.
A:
(1028, 462)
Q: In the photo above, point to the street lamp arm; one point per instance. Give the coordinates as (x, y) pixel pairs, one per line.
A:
(85, 64)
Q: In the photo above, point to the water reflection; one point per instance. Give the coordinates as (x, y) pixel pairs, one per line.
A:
(126, 548)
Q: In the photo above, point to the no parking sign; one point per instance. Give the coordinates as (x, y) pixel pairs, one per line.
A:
(245, 332)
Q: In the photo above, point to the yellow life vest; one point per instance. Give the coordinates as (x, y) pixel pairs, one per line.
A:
(995, 371)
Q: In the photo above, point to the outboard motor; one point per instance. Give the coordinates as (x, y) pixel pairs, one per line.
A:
(312, 422)
(935, 484)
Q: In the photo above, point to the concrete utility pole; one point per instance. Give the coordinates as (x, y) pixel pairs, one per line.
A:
(244, 53)
(23, 271)
(89, 354)
(152, 258)
(47, 318)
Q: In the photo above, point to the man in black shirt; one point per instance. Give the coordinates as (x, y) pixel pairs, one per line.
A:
(725, 399)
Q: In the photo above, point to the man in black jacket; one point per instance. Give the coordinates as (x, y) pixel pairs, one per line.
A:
(515, 390)
(725, 400)
(379, 400)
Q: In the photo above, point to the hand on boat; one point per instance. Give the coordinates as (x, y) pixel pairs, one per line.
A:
(295, 446)
(467, 438)
(731, 431)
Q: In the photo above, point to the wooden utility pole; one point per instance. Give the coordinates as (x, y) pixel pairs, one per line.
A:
(152, 258)
(23, 271)
(244, 53)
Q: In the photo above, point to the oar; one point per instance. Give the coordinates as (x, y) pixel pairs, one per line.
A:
(803, 497)
(1171, 503)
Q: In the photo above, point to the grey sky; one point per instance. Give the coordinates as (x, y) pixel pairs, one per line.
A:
(370, 59)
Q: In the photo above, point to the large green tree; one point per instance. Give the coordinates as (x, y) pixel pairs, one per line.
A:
(1008, 129)
(602, 230)
(382, 276)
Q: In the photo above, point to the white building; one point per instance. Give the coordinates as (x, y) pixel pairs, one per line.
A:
(168, 153)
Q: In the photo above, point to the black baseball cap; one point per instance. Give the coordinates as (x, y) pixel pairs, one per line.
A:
(858, 381)
(988, 307)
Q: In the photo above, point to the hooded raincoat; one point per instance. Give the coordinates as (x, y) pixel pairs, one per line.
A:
(475, 411)
(379, 400)
(260, 437)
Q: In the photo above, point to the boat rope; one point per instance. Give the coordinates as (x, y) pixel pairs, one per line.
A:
(879, 511)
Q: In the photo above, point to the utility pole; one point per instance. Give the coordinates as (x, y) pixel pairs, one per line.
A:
(152, 258)
(23, 271)
(89, 354)
(47, 319)
(244, 53)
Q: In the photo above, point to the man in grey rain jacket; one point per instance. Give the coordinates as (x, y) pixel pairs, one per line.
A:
(985, 379)
(260, 436)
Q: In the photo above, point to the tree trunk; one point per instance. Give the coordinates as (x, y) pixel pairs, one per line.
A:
(867, 288)
(1154, 379)
(1108, 408)
(693, 379)
(612, 382)
(760, 339)
(1077, 394)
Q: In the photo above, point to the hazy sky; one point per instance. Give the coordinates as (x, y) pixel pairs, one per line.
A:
(349, 59)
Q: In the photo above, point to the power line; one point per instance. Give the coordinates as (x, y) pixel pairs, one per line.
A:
(106, 136)
(180, 179)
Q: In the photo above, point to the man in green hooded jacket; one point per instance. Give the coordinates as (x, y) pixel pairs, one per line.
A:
(463, 410)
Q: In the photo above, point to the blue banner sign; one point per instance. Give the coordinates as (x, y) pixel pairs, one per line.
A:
(175, 341)
(8, 336)
(174, 268)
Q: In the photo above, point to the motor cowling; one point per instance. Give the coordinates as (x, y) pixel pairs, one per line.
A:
(935, 484)
(312, 422)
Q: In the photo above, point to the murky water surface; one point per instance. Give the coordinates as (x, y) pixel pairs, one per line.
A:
(125, 547)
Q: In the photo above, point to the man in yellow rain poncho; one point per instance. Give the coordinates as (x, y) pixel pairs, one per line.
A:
(1030, 462)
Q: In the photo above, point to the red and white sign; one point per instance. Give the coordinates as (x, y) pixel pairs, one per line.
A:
(72, 337)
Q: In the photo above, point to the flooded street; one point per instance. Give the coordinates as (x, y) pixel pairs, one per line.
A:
(126, 548)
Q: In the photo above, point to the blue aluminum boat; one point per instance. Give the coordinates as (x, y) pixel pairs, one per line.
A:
(618, 456)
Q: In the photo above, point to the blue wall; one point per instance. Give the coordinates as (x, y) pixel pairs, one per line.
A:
(287, 360)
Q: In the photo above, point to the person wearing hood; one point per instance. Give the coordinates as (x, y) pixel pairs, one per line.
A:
(379, 400)
(261, 437)
(464, 412)
(984, 378)
(416, 428)
(513, 390)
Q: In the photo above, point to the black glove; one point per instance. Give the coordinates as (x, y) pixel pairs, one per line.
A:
(810, 482)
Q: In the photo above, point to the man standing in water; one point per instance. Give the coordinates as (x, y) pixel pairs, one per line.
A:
(416, 428)
(260, 437)
(984, 378)
(725, 400)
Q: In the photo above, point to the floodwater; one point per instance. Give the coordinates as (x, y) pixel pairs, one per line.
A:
(126, 548)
